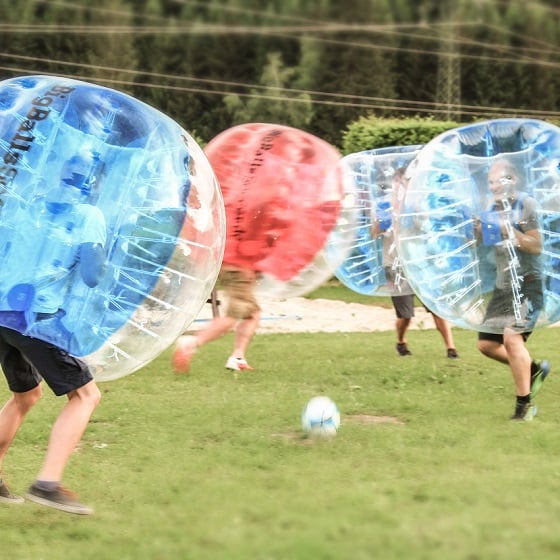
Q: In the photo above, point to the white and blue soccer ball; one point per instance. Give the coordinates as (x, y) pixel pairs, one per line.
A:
(320, 418)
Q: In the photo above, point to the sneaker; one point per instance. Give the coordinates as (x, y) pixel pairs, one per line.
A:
(538, 378)
(452, 353)
(7, 497)
(185, 348)
(237, 364)
(524, 412)
(60, 498)
(403, 350)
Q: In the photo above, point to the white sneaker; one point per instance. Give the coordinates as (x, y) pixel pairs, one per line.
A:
(237, 364)
(185, 347)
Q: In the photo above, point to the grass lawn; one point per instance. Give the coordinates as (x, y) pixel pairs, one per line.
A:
(211, 465)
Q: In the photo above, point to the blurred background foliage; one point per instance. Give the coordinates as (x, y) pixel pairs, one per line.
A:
(359, 74)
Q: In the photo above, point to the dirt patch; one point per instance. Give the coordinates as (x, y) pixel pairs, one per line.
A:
(298, 437)
(371, 419)
(320, 315)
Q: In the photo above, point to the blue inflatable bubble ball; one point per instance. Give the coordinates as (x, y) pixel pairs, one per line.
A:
(374, 178)
(479, 227)
(112, 223)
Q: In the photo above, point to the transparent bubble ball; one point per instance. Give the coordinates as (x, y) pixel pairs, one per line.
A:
(374, 181)
(479, 227)
(86, 167)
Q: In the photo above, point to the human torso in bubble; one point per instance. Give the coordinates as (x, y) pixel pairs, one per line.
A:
(56, 234)
(518, 296)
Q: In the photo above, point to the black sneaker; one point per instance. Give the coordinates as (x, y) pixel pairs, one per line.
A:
(60, 498)
(452, 353)
(7, 497)
(524, 412)
(402, 349)
(540, 375)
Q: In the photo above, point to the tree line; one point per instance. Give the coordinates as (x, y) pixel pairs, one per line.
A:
(318, 65)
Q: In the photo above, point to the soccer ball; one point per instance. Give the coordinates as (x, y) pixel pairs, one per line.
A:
(320, 418)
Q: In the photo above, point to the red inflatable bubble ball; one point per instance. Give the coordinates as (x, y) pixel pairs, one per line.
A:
(283, 197)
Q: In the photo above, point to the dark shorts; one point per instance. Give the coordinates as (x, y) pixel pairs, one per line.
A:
(404, 306)
(25, 361)
(500, 337)
(500, 313)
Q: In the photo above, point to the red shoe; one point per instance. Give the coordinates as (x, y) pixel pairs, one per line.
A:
(185, 347)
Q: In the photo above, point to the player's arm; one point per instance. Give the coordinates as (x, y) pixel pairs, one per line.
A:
(528, 241)
(92, 263)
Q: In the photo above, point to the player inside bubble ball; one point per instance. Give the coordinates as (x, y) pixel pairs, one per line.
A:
(68, 238)
(517, 297)
(243, 315)
(58, 233)
(392, 184)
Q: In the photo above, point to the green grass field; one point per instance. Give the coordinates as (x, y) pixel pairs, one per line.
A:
(214, 466)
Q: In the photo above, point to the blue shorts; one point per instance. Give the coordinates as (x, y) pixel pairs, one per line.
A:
(25, 361)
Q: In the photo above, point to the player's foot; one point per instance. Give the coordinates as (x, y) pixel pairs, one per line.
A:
(59, 498)
(402, 349)
(185, 347)
(7, 497)
(524, 412)
(539, 376)
(237, 364)
(452, 353)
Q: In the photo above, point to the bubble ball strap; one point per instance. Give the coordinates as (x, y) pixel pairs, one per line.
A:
(513, 261)
(399, 276)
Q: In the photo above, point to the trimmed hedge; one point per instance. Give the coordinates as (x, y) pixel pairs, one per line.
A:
(369, 133)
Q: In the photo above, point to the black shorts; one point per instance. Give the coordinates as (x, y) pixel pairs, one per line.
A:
(25, 361)
(500, 312)
(404, 306)
(498, 337)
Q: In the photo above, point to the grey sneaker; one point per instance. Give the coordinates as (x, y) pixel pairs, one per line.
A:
(60, 498)
(539, 377)
(524, 412)
(7, 497)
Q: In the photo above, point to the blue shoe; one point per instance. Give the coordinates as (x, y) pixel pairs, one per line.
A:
(538, 378)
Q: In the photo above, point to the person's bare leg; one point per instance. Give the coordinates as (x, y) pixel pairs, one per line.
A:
(494, 350)
(218, 327)
(244, 333)
(444, 329)
(68, 430)
(12, 416)
(186, 345)
(519, 362)
(402, 326)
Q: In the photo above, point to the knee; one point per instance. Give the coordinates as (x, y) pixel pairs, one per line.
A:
(26, 401)
(89, 395)
(514, 345)
(484, 347)
(95, 396)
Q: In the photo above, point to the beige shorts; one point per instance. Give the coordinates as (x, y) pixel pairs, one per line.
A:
(239, 288)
